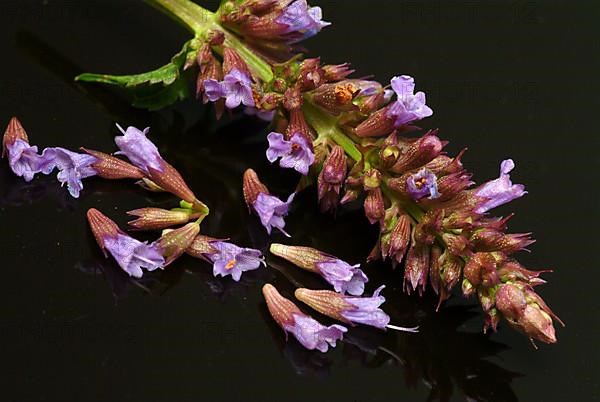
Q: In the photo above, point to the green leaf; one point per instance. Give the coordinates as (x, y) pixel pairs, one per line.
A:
(155, 89)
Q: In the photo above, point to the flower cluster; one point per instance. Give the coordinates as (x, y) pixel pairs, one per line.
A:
(147, 165)
(359, 140)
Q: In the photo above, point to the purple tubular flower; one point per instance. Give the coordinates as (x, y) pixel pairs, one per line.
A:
(501, 190)
(213, 90)
(295, 153)
(309, 332)
(132, 255)
(314, 335)
(25, 162)
(423, 184)
(230, 259)
(271, 211)
(344, 277)
(366, 310)
(139, 149)
(301, 21)
(73, 167)
(237, 89)
(409, 106)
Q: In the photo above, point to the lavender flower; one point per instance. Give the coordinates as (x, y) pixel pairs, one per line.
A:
(139, 149)
(295, 153)
(132, 255)
(236, 88)
(309, 332)
(271, 211)
(347, 309)
(301, 21)
(230, 259)
(340, 274)
(423, 184)
(25, 162)
(73, 167)
(501, 190)
(366, 310)
(344, 277)
(409, 106)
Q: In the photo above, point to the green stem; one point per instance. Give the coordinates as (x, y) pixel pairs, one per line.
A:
(326, 126)
(200, 20)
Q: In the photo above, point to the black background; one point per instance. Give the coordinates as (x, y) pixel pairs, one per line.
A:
(505, 78)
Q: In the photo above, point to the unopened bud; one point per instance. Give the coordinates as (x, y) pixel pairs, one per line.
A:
(374, 206)
(416, 269)
(157, 218)
(174, 243)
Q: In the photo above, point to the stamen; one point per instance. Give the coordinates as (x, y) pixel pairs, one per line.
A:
(230, 264)
(413, 330)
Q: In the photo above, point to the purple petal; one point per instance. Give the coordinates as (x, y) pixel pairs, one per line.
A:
(132, 255)
(408, 107)
(237, 89)
(25, 162)
(73, 168)
(501, 190)
(343, 277)
(271, 211)
(139, 149)
(213, 90)
(313, 335)
(423, 184)
(367, 310)
(233, 260)
(278, 146)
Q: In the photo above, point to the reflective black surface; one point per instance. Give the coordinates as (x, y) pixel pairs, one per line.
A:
(506, 78)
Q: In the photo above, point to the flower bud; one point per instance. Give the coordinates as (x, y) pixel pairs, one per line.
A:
(252, 187)
(336, 98)
(14, 131)
(493, 240)
(377, 125)
(372, 180)
(174, 243)
(452, 184)
(512, 271)
(457, 244)
(416, 269)
(292, 99)
(112, 168)
(311, 75)
(481, 270)
(419, 153)
(400, 238)
(467, 288)
(334, 73)
(171, 181)
(511, 301)
(389, 155)
(157, 218)
(331, 178)
(429, 227)
(374, 206)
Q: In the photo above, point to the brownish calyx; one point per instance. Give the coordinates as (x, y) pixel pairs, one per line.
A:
(282, 310)
(252, 187)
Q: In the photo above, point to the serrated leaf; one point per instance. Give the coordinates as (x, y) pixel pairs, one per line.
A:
(155, 89)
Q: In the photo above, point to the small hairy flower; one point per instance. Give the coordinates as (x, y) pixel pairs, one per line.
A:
(295, 153)
(272, 211)
(73, 167)
(132, 255)
(408, 107)
(229, 259)
(344, 278)
(309, 332)
(423, 184)
(501, 190)
(347, 309)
